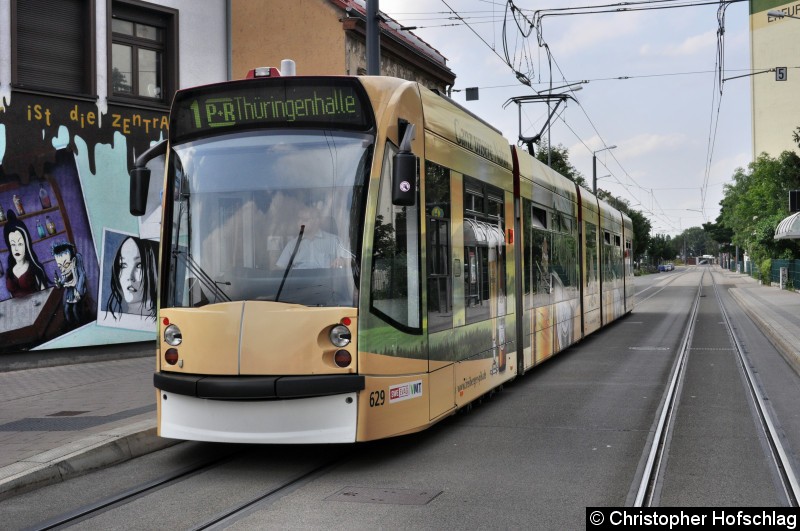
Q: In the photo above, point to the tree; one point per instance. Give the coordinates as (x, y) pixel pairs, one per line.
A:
(695, 241)
(641, 233)
(720, 233)
(757, 201)
(559, 161)
(661, 248)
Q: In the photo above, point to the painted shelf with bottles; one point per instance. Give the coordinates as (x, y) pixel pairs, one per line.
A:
(37, 204)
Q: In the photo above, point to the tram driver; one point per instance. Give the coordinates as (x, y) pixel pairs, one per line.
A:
(313, 247)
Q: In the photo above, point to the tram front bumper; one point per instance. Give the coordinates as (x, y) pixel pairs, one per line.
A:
(319, 419)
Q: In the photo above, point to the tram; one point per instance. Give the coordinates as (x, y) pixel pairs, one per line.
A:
(345, 259)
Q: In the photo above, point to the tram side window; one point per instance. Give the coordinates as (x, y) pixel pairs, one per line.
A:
(537, 256)
(484, 251)
(591, 254)
(628, 257)
(527, 250)
(609, 258)
(564, 257)
(437, 214)
(540, 260)
(395, 293)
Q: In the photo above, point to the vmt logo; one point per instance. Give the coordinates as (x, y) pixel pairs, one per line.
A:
(406, 391)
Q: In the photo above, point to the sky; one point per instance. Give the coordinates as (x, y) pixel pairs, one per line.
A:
(678, 139)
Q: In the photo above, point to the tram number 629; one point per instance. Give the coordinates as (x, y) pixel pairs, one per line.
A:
(377, 398)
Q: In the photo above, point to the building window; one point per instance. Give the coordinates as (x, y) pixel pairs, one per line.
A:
(53, 45)
(143, 56)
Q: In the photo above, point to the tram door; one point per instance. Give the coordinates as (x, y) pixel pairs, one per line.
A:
(440, 293)
(440, 270)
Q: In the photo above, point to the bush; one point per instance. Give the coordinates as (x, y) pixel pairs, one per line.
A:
(765, 272)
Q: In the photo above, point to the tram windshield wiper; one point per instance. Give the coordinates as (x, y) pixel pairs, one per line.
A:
(204, 278)
(291, 261)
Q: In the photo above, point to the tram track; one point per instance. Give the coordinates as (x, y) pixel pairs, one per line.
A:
(779, 454)
(660, 288)
(241, 510)
(174, 479)
(91, 510)
(657, 453)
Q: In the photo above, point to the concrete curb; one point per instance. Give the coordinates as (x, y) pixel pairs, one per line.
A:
(784, 341)
(76, 458)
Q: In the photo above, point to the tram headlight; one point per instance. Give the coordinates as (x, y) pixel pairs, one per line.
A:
(172, 335)
(340, 336)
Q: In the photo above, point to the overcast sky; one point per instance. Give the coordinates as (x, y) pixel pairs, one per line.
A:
(678, 141)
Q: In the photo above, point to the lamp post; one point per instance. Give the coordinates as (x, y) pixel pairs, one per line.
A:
(594, 167)
(373, 39)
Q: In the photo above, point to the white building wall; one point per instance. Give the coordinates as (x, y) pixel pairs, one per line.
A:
(203, 54)
(203, 40)
(775, 42)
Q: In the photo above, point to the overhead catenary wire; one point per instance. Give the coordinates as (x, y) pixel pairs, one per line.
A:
(518, 57)
(719, 70)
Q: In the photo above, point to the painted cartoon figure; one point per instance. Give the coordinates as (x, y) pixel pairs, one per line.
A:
(72, 277)
(25, 273)
(133, 280)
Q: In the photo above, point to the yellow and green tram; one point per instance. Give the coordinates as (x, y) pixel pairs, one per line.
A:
(351, 258)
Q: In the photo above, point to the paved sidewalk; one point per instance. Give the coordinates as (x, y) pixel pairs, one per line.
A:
(776, 312)
(57, 422)
(61, 421)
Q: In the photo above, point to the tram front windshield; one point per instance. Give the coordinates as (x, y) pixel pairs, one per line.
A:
(267, 215)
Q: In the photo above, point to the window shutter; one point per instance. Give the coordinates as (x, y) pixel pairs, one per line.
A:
(52, 44)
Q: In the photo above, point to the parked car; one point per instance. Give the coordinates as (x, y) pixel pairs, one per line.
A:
(662, 267)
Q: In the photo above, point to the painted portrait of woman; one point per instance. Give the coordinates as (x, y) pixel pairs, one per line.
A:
(133, 280)
(25, 273)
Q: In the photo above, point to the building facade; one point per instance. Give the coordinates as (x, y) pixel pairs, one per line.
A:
(85, 86)
(775, 48)
(327, 37)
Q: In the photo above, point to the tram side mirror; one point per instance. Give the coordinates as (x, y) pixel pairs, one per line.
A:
(140, 183)
(140, 178)
(404, 170)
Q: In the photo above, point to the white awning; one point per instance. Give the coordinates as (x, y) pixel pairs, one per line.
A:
(789, 228)
(483, 234)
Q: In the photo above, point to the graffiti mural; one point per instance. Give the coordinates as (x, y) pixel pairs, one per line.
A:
(63, 204)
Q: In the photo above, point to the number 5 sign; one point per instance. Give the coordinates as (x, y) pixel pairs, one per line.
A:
(780, 73)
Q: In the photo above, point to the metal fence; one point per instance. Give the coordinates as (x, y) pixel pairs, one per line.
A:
(752, 269)
(793, 269)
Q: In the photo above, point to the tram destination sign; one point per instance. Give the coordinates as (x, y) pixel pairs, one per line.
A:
(281, 102)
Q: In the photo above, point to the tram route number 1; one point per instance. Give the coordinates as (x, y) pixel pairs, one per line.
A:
(377, 398)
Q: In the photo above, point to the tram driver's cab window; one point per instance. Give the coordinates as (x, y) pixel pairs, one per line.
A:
(395, 289)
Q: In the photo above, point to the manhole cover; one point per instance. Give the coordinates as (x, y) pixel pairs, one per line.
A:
(390, 496)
